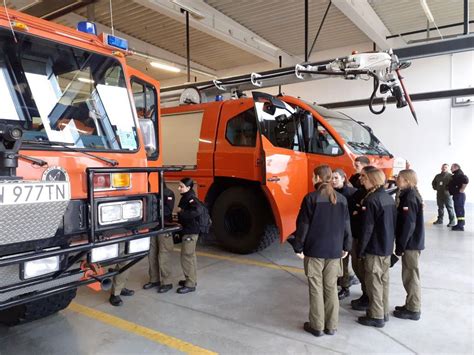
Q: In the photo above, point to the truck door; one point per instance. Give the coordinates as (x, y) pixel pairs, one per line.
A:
(145, 95)
(285, 175)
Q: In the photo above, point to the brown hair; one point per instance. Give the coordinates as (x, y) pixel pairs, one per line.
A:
(342, 174)
(324, 172)
(362, 159)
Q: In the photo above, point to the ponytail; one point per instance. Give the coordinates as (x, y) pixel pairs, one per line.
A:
(324, 173)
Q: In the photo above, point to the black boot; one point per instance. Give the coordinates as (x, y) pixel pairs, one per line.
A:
(115, 301)
(360, 304)
(458, 228)
(343, 293)
(372, 322)
(126, 292)
(406, 314)
(438, 221)
(307, 328)
(165, 288)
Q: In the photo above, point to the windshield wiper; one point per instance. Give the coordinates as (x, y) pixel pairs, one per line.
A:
(112, 162)
(368, 147)
(35, 161)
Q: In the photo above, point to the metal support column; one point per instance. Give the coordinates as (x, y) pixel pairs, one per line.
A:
(466, 17)
(306, 30)
(188, 55)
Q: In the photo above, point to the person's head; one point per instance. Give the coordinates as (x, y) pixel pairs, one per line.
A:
(339, 179)
(372, 178)
(185, 185)
(444, 168)
(360, 162)
(407, 179)
(455, 167)
(322, 175)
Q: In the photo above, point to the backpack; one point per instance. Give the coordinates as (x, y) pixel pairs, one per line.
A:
(204, 218)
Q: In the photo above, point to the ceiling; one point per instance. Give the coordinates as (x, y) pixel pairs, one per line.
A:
(158, 27)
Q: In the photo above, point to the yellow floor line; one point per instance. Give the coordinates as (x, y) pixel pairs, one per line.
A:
(244, 261)
(131, 327)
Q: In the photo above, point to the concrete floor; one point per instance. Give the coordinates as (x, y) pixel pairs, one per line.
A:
(257, 304)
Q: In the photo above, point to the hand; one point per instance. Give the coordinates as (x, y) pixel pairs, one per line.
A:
(344, 254)
(300, 255)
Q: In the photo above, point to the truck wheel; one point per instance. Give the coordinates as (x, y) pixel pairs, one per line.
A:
(37, 309)
(241, 221)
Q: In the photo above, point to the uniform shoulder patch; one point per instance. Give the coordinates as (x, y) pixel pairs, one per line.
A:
(405, 208)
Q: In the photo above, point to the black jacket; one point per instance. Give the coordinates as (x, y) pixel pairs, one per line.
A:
(355, 209)
(191, 209)
(410, 231)
(169, 204)
(354, 180)
(457, 181)
(347, 192)
(323, 229)
(378, 217)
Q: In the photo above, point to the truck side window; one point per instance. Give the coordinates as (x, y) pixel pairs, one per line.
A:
(242, 129)
(323, 142)
(144, 96)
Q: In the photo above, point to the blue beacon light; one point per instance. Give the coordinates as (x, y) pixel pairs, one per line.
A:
(87, 27)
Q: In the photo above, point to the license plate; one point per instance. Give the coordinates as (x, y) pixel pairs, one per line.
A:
(26, 192)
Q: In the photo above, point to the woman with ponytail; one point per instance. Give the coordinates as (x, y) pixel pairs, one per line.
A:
(378, 216)
(410, 240)
(323, 236)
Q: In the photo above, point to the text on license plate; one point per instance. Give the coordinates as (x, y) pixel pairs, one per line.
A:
(34, 192)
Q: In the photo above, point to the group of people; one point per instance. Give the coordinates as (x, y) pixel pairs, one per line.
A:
(450, 188)
(364, 221)
(159, 257)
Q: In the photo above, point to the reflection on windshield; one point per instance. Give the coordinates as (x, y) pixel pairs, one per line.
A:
(65, 94)
(359, 139)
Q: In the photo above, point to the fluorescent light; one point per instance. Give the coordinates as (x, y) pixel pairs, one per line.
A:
(264, 43)
(85, 80)
(192, 11)
(166, 67)
(427, 11)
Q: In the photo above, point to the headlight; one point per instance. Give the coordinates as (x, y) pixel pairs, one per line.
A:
(40, 267)
(104, 253)
(116, 212)
(138, 245)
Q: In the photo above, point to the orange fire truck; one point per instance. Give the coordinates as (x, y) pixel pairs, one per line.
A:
(78, 169)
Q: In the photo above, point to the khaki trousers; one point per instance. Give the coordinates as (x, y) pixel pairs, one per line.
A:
(153, 260)
(411, 279)
(165, 246)
(323, 301)
(119, 281)
(188, 259)
(377, 285)
(346, 272)
(358, 265)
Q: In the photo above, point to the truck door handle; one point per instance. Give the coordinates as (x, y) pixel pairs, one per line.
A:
(273, 179)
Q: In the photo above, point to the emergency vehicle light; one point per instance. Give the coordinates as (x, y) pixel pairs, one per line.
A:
(116, 42)
(87, 27)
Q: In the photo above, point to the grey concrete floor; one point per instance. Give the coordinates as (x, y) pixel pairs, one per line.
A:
(254, 305)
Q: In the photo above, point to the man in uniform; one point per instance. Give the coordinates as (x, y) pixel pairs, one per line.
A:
(456, 187)
(359, 163)
(164, 241)
(443, 198)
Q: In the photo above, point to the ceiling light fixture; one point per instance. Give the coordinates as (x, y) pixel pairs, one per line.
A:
(191, 10)
(166, 67)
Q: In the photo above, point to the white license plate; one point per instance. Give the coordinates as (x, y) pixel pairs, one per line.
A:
(26, 192)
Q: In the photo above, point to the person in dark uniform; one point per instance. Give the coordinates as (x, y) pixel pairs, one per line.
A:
(409, 241)
(378, 217)
(323, 236)
(443, 198)
(339, 183)
(189, 210)
(359, 163)
(161, 247)
(361, 303)
(456, 187)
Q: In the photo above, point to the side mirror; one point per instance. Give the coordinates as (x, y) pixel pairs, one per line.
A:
(307, 124)
(147, 129)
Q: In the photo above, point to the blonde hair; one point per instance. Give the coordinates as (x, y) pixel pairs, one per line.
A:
(376, 178)
(411, 178)
(324, 172)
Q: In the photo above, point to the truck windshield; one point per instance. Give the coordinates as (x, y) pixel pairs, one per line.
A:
(358, 137)
(65, 94)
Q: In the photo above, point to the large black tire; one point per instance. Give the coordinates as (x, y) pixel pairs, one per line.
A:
(37, 309)
(242, 221)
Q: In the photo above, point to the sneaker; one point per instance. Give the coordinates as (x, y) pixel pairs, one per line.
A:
(406, 314)
(330, 331)
(115, 301)
(360, 304)
(185, 289)
(458, 228)
(372, 322)
(149, 285)
(307, 328)
(126, 292)
(438, 221)
(343, 293)
(164, 288)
